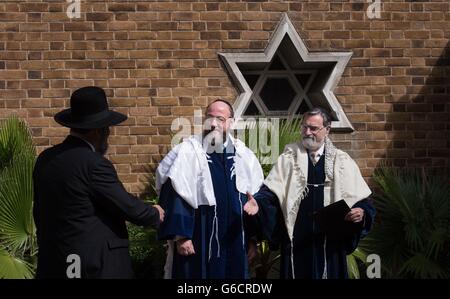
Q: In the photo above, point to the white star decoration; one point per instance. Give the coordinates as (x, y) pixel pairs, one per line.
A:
(286, 43)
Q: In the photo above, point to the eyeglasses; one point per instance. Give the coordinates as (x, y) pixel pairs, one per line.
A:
(220, 119)
(313, 129)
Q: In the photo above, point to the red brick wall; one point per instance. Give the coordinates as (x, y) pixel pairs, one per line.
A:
(158, 60)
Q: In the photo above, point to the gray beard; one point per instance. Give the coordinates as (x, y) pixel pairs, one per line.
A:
(311, 144)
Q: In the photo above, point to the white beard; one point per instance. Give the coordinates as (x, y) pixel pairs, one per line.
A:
(311, 144)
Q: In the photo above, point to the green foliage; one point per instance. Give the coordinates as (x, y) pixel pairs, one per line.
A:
(413, 233)
(14, 268)
(17, 232)
(354, 262)
(147, 253)
(266, 263)
(288, 132)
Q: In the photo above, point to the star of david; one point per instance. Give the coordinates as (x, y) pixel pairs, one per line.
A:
(286, 79)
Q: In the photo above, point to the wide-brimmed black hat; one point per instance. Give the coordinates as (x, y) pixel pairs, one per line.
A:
(89, 110)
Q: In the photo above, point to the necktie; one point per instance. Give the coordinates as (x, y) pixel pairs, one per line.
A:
(314, 157)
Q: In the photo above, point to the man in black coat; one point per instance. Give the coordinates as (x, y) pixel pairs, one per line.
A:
(80, 206)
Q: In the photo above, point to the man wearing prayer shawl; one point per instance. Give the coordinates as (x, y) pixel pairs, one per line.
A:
(308, 176)
(203, 184)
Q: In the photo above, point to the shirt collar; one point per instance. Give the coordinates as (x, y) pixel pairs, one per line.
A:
(319, 152)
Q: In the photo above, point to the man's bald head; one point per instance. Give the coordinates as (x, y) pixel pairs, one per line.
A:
(221, 104)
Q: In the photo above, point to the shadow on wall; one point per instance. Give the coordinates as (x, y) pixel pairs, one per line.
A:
(418, 125)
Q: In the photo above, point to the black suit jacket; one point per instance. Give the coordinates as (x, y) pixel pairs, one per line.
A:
(80, 207)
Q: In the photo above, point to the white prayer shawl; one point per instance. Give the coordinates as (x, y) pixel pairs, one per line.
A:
(187, 167)
(289, 176)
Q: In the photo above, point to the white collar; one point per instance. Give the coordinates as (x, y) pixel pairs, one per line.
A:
(79, 136)
(320, 151)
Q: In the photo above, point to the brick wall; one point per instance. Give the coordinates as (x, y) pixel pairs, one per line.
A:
(158, 60)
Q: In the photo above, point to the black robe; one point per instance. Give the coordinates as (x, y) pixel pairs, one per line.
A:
(308, 251)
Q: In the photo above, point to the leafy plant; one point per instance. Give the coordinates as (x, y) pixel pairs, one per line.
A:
(354, 262)
(266, 262)
(288, 132)
(412, 236)
(17, 231)
(13, 267)
(148, 255)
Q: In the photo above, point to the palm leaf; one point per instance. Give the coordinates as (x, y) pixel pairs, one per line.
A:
(286, 131)
(436, 243)
(352, 267)
(14, 268)
(17, 232)
(412, 233)
(419, 266)
(16, 194)
(15, 139)
(289, 132)
(352, 263)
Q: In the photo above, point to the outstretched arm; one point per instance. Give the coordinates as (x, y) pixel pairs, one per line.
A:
(269, 215)
(112, 196)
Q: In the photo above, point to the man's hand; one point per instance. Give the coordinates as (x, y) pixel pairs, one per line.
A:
(161, 212)
(185, 247)
(252, 250)
(355, 215)
(251, 206)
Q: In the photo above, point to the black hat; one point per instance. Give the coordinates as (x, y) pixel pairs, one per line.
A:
(89, 110)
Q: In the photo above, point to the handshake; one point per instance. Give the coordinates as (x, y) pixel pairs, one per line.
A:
(250, 207)
(160, 212)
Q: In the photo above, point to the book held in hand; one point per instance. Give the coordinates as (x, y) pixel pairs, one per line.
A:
(330, 220)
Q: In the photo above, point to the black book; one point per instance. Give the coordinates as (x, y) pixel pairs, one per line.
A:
(330, 220)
